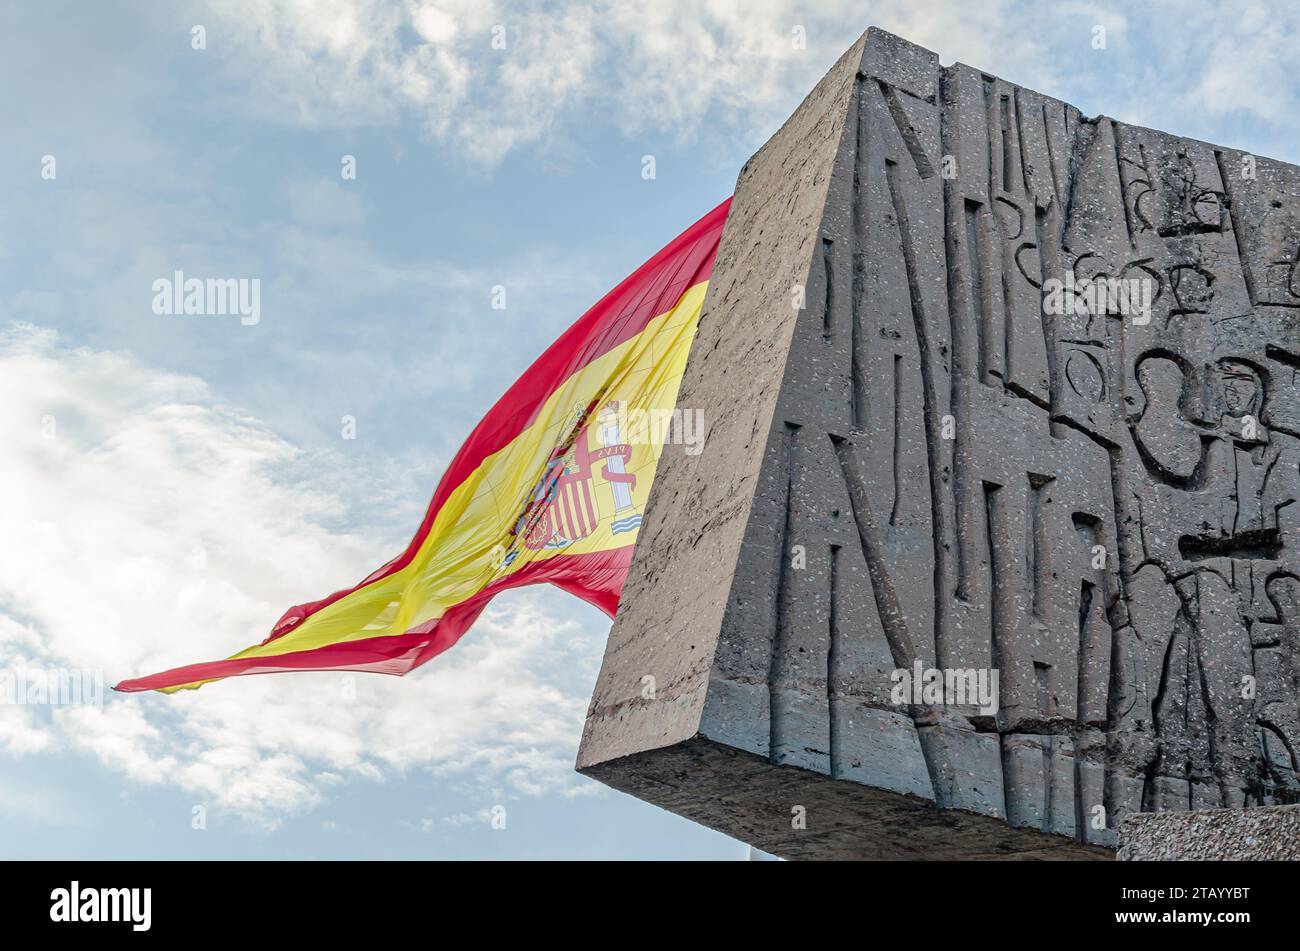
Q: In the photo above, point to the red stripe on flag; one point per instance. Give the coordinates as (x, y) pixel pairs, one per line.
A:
(596, 577)
(577, 523)
(565, 512)
(589, 511)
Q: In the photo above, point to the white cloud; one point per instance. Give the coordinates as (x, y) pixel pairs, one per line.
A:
(433, 23)
(41, 804)
(673, 66)
(1245, 60)
(722, 71)
(147, 526)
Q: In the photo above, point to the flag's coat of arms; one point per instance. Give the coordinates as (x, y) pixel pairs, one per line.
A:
(564, 508)
(545, 490)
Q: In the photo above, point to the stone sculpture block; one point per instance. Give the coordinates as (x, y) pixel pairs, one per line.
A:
(990, 386)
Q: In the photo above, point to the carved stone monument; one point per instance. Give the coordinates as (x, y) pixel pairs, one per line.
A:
(991, 387)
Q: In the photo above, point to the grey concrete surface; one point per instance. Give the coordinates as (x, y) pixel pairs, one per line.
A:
(929, 443)
(1271, 833)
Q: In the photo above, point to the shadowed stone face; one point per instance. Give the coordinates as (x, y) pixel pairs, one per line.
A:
(1035, 413)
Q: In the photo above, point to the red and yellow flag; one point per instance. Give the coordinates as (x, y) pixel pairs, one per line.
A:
(546, 489)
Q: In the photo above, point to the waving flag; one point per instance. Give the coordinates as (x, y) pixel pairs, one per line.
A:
(547, 489)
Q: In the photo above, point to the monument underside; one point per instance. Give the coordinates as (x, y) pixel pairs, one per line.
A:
(928, 444)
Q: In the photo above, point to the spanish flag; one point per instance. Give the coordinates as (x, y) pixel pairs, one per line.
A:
(547, 489)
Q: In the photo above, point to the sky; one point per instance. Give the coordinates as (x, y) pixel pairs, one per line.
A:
(169, 485)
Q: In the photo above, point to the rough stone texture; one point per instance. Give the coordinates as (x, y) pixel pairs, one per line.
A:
(1267, 834)
(922, 464)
